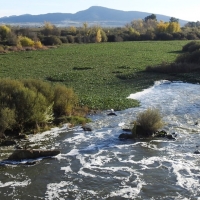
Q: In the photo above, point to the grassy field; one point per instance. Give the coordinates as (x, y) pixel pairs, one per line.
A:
(103, 75)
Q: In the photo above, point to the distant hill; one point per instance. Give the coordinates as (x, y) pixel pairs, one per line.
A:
(95, 14)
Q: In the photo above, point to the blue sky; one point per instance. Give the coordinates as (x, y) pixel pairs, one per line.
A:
(181, 9)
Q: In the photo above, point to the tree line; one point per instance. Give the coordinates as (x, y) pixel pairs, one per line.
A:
(142, 29)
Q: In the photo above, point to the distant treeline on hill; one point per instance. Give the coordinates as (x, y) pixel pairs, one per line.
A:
(147, 29)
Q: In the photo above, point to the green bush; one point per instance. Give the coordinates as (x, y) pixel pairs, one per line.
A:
(178, 36)
(30, 104)
(164, 36)
(63, 39)
(7, 119)
(192, 36)
(1, 49)
(187, 62)
(188, 45)
(12, 39)
(51, 40)
(40, 86)
(64, 100)
(74, 120)
(193, 57)
(70, 38)
(174, 68)
(148, 122)
(194, 47)
(78, 39)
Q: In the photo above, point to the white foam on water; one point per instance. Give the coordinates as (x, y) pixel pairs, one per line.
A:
(15, 183)
(66, 169)
(73, 152)
(62, 190)
(187, 175)
(54, 189)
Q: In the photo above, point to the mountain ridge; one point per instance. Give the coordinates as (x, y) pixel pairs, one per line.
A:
(92, 14)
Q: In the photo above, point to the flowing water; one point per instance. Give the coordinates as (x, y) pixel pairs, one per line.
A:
(97, 165)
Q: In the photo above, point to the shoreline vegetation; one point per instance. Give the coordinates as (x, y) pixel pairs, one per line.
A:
(64, 84)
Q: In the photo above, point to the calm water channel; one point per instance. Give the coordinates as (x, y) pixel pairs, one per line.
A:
(97, 165)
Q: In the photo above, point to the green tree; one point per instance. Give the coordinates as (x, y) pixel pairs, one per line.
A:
(173, 19)
(12, 39)
(152, 16)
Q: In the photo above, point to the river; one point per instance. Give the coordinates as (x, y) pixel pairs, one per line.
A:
(97, 165)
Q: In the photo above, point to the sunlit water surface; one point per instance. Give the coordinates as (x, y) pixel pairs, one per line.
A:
(97, 165)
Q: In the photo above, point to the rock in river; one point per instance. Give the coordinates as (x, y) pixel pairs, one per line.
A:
(32, 154)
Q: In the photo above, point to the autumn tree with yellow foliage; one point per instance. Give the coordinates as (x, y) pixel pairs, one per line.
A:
(4, 32)
(173, 27)
(48, 27)
(98, 36)
(168, 27)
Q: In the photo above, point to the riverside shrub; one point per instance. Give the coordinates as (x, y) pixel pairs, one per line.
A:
(64, 100)
(193, 57)
(29, 104)
(189, 46)
(7, 119)
(187, 62)
(150, 120)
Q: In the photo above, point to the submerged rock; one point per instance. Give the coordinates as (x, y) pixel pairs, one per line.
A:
(86, 128)
(164, 134)
(32, 154)
(197, 152)
(8, 143)
(139, 132)
(125, 136)
(170, 137)
(109, 114)
(126, 129)
(160, 134)
(21, 136)
(112, 113)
